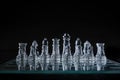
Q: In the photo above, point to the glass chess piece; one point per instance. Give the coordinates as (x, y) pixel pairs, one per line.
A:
(33, 58)
(44, 58)
(91, 56)
(99, 66)
(100, 56)
(87, 66)
(76, 66)
(88, 52)
(21, 58)
(66, 54)
(55, 57)
(38, 56)
(65, 66)
(78, 54)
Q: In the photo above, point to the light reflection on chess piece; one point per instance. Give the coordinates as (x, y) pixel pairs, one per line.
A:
(100, 56)
(76, 66)
(21, 58)
(66, 66)
(44, 58)
(66, 54)
(88, 52)
(82, 60)
(91, 56)
(44, 66)
(77, 57)
(100, 66)
(67, 62)
(78, 51)
(86, 66)
(55, 66)
(55, 57)
(33, 58)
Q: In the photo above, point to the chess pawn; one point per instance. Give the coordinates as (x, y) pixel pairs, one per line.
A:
(21, 58)
(100, 56)
(44, 57)
(55, 57)
(33, 58)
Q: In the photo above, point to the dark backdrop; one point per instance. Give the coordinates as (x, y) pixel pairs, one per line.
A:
(25, 22)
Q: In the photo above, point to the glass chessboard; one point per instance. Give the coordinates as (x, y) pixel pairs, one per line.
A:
(83, 60)
(112, 67)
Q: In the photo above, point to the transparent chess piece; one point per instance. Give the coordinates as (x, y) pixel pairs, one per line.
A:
(91, 56)
(44, 58)
(76, 66)
(55, 57)
(66, 54)
(21, 58)
(78, 54)
(65, 66)
(88, 52)
(33, 58)
(87, 66)
(100, 56)
(99, 66)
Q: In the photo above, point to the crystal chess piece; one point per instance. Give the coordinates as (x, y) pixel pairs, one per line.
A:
(100, 56)
(87, 66)
(91, 56)
(66, 54)
(88, 52)
(44, 58)
(21, 58)
(83, 58)
(99, 66)
(55, 57)
(33, 57)
(78, 53)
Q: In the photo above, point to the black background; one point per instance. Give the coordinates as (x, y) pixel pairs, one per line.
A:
(25, 22)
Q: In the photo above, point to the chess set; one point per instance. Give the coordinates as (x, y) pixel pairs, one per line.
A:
(83, 58)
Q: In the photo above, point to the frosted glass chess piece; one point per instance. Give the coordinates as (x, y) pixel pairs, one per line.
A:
(44, 57)
(21, 58)
(66, 54)
(77, 57)
(100, 56)
(33, 58)
(55, 57)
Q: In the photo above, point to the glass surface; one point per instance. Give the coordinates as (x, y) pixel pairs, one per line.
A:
(111, 67)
